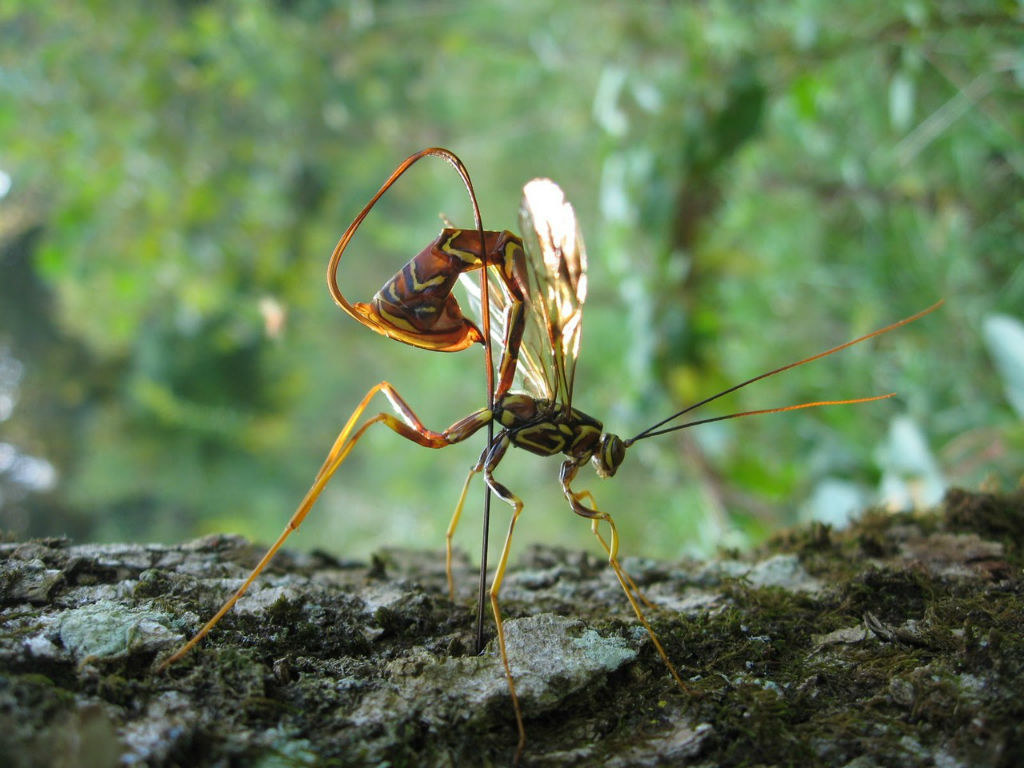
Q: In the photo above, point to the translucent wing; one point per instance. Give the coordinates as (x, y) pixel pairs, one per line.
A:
(528, 369)
(554, 285)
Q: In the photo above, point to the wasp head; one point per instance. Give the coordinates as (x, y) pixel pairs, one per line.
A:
(611, 450)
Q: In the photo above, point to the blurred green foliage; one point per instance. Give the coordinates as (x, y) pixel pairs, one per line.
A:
(756, 182)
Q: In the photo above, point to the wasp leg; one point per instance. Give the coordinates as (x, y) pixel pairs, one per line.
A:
(411, 428)
(579, 497)
(457, 432)
(492, 456)
(569, 470)
(515, 326)
(451, 532)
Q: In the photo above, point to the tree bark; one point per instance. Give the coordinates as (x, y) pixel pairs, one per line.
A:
(897, 642)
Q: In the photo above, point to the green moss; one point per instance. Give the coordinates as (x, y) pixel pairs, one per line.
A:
(1000, 518)
(775, 697)
(906, 647)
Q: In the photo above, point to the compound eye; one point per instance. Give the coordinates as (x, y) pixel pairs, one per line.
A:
(610, 453)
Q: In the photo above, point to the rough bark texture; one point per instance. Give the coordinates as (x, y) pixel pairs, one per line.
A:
(898, 642)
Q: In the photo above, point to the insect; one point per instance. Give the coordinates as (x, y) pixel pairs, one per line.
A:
(531, 296)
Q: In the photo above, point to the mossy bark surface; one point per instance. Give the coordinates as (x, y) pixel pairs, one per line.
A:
(897, 642)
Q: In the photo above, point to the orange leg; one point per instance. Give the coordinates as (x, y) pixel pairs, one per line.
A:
(451, 532)
(626, 583)
(409, 427)
(494, 455)
(607, 549)
(488, 461)
(569, 469)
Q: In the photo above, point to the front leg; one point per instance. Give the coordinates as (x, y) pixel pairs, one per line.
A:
(567, 474)
(569, 469)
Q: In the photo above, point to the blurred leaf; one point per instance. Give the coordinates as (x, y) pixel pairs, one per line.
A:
(835, 502)
(901, 100)
(753, 186)
(1004, 337)
(911, 478)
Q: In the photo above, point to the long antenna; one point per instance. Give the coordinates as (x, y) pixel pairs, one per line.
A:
(654, 428)
(760, 411)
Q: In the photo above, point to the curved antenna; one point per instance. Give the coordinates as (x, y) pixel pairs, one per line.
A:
(654, 428)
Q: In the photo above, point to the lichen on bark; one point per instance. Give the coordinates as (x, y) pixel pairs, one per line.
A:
(897, 642)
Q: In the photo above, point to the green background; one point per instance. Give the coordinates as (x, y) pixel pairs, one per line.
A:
(755, 183)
